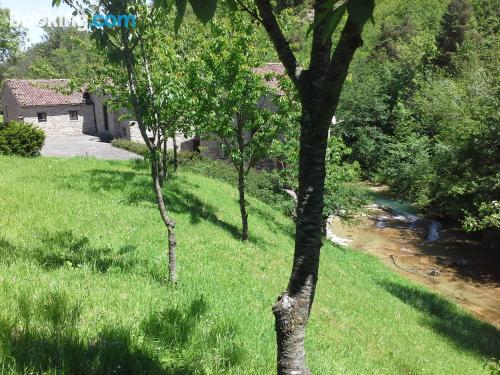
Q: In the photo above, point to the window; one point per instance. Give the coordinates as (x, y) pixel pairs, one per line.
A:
(105, 113)
(73, 115)
(42, 116)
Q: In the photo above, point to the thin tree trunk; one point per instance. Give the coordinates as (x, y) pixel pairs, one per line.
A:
(241, 176)
(176, 161)
(169, 223)
(161, 168)
(164, 159)
(243, 208)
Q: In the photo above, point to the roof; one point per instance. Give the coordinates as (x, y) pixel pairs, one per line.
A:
(43, 92)
(271, 71)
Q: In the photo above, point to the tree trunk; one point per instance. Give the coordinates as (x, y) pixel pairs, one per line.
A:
(155, 167)
(241, 175)
(243, 208)
(169, 223)
(164, 160)
(293, 307)
(319, 88)
(176, 162)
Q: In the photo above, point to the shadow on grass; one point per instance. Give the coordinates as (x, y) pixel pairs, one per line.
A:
(182, 332)
(137, 188)
(65, 249)
(287, 229)
(44, 339)
(445, 318)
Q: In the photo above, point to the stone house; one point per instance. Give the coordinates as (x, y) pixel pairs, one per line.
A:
(45, 104)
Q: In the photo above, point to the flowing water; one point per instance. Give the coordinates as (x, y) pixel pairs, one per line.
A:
(436, 254)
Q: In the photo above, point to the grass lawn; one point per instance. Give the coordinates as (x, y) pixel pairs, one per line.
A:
(83, 285)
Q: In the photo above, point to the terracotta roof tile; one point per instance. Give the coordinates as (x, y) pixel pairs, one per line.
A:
(270, 71)
(43, 92)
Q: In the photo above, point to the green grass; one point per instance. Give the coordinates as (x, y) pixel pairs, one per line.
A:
(83, 285)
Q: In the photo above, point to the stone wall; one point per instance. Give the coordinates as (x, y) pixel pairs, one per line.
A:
(58, 119)
(10, 107)
(116, 128)
(183, 143)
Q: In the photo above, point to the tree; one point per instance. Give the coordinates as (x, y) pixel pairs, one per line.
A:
(64, 52)
(11, 39)
(454, 25)
(319, 87)
(170, 77)
(129, 52)
(235, 104)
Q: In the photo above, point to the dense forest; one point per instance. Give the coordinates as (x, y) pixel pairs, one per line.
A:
(419, 110)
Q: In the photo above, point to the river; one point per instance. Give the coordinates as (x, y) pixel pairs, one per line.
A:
(432, 253)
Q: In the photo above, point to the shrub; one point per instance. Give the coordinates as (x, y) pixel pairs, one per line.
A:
(409, 170)
(262, 185)
(370, 148)
(135, 147)
(20, 138)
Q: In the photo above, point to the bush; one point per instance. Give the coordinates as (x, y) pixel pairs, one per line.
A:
(262, 185)
(409, 170)
(370, 148)
(135, 147)
(20, 138)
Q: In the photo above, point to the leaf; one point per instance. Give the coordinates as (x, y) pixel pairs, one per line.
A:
(204, 9)
(232, 5)
(328, 13)
(56, 3)
(361, 10)
(179, 16)
(333, 21)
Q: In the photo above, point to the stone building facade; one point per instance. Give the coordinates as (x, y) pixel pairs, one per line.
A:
(46, 104)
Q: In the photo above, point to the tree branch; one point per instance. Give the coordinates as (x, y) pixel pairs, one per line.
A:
(350, 40)
(276, 35)
(252, 12)
(321, 48)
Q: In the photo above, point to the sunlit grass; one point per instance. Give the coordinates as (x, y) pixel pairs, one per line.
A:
(83, 285)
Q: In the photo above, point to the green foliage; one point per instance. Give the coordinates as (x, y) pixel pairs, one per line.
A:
(487, 216)
(20, 138)
(408, 169)
(454, 25)
(65, 52)
(233, 102)
(340, 195)
(342, 198)
(11, 40)
(110, 309)
(135, 147)
(370, 148)
(429, 132)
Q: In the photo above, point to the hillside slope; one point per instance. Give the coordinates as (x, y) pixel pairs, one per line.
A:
(83, 290)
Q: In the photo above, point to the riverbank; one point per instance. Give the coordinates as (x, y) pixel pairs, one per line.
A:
(433, 253)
